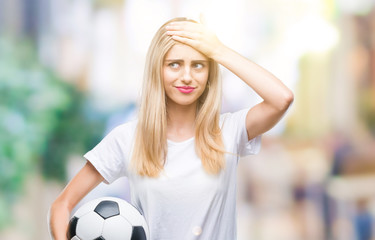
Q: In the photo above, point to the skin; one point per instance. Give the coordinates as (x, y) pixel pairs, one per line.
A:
(197, 43)
(183, 66)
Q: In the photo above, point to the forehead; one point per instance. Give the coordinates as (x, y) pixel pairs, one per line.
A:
(184, 52)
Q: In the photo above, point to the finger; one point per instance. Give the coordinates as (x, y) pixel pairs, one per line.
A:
(176, 25)
(186, 41)
(173, 27)
(183, 25)
(184, 34)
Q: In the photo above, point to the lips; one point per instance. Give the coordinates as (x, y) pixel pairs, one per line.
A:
(186, 89)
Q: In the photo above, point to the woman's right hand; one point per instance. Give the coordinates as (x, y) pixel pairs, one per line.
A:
(196, 35)
(86, 180)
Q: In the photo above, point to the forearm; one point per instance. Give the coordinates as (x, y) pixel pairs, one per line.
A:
(86, 179)
(264, 83)
(58, 220)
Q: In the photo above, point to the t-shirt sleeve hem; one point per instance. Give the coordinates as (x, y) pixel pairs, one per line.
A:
(252, 146)
(94, 161)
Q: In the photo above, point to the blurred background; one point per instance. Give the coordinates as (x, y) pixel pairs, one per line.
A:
(71, 70)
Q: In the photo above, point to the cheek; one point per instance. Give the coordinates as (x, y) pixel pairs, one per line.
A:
(168, 81)
(168, 76)
(202, 77)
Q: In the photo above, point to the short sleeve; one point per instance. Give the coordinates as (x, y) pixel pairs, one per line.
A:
(234, 125)
(110, 156)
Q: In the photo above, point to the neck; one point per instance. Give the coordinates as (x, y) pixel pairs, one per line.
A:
(181, 120)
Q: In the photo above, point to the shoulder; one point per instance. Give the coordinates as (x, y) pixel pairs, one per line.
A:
(230, 118)
(127, 126)
(233, 126)
(124, 129)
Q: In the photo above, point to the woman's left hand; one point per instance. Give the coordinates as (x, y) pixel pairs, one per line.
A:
(197, 36)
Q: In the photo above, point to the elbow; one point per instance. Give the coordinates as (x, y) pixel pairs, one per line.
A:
(289, 98)
(286, 100)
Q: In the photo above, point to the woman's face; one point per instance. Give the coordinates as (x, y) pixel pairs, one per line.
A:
(185, 74)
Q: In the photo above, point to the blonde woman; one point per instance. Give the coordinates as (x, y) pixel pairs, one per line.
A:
(181, 154)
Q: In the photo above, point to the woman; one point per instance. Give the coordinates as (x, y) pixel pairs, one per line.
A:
(180, 155)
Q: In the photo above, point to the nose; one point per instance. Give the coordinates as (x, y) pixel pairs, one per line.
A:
(186, 75)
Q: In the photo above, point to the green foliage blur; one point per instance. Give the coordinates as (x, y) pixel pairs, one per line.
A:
(43, 120)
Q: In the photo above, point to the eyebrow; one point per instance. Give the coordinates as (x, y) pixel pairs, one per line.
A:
(181, 60)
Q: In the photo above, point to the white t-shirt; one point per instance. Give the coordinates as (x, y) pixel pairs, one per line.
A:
(184, 202)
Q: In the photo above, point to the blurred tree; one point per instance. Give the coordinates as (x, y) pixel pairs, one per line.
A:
(43, 120)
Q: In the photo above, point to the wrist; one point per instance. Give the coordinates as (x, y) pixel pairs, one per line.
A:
(220, 53)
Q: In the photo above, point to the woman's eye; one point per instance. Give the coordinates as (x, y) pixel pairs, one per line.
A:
(174, 65)
(198, 66)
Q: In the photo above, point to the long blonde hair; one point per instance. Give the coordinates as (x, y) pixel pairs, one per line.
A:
(150, 146)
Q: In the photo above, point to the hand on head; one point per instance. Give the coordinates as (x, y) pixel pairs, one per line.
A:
(195, 35)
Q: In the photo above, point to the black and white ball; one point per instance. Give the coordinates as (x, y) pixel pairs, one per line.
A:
(107, 218)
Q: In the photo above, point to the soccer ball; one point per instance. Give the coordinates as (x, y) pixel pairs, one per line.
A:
(107, 218)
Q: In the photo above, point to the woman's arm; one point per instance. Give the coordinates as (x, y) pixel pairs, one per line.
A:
(86, 180)
(276, 96)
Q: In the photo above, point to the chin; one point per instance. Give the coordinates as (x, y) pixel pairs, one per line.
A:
(184, 102)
